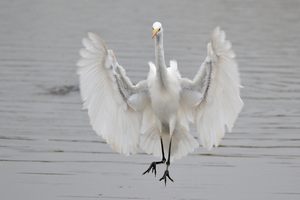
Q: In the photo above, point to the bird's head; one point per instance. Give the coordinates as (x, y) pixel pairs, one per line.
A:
(156, 29)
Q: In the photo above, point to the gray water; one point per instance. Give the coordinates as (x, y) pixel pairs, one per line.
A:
(48, 149)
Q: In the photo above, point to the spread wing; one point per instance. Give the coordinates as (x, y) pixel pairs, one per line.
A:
(114, 104)
(213, 96)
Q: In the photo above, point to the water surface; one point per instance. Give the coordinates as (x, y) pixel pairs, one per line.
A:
(48, 149)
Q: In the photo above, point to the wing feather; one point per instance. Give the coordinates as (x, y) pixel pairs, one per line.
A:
(219, 82)
(106, 92)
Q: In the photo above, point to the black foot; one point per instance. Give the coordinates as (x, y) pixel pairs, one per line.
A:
(165, 176)
(151, 168)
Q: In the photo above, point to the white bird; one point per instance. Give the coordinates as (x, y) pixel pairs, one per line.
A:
(159, 110)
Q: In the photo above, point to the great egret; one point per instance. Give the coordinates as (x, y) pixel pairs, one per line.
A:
(158, 111)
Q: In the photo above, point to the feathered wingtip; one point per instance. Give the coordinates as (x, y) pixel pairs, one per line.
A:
(97, 40)
(219, 45)
(94, 48)
(92, 44)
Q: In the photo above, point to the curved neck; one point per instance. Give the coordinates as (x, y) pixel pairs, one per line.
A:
(160, 59)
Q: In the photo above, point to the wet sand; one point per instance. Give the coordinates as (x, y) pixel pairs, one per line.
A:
(48, 149)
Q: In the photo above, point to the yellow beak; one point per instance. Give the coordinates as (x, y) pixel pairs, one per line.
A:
(154, 32)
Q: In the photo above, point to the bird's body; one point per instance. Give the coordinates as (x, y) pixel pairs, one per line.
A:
(158, 111)
(164, 97)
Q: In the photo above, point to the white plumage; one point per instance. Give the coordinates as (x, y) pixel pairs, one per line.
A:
(161, 108)
(109, 115)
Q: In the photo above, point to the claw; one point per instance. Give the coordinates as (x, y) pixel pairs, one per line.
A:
(151, 168)
(165, 176)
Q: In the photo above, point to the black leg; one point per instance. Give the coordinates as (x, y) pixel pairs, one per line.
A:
(166, 174)
(152, 166)
(162, 150)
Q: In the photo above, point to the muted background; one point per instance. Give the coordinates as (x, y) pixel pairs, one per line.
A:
(47, 147)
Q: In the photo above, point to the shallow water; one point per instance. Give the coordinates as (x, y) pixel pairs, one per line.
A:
(48, 149)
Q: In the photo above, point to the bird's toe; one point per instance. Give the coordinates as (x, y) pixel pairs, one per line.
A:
(165, 177)
(151, 168)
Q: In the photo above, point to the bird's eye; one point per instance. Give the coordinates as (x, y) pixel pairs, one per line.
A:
(159, 29)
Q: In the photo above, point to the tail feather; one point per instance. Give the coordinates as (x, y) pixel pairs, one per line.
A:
(150, 142)
(182, 143)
